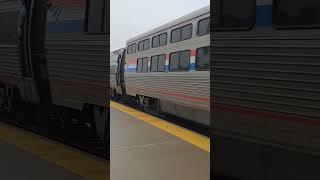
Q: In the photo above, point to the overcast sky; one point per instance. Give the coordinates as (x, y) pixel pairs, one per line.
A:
(133, 17)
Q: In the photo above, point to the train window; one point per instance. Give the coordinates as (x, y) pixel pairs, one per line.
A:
(154, 64)
(158, 63)
(163, 39)
(106, 27)
(184, 60)
(174, 61)
(176, 35)
(140, 46)
(161, 62)
(142, 65)
(181, 33)
(139, 65)
(145, 65)
(203, 58)
(146, 44)
(204, 27)
(159, 40)
(129, 49)
(95, 16)
(180, 61)
(234, 14)
(132, 48)
(186, 32)
(296, 14)
(155, 41)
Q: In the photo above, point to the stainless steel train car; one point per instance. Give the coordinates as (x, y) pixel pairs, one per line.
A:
(115, 58)
(265, 83)
(167, 68)
(59, 63)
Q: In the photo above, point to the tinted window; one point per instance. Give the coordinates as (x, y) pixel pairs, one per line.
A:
(146, 44)
(186, 32)
(234, 14)
(155, 41)
(203, 58)
(174, 61)
(181, 33)
(180, 60)
(297, 13)
(159, 40)
(176, 35)
(161, 62)
(106, 27)
(140, 46)
(154, 64)
(204, 27)
(95, 18)
(145, 65)
(158, 63)
(163, 39)
(129, 49)
(184, 61)
(139, 65)
(134, 48)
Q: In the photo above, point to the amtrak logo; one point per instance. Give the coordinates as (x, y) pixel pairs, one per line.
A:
(55, 11)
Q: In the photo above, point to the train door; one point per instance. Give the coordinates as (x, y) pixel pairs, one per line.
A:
(118, 69)
(121, 73)
(23, 37)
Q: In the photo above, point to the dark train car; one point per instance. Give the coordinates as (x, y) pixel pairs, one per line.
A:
(265, 83)
(59, 65)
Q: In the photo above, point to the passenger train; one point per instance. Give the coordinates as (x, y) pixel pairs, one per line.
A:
(57, 63)
(265, 83)
(167, 69)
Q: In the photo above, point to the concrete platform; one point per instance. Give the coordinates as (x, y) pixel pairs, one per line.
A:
(142, 151)
(16, 164)
(28, 156)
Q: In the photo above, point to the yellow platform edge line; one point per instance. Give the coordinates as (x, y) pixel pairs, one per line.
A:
(194, 138)
(71, 159)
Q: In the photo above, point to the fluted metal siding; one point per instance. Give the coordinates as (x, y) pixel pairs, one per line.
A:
(185, 89)
(268, 70)
(81, 62)
(10, 64)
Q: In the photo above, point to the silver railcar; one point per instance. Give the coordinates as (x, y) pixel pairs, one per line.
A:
(60, 60)
(265, 83)
(167, 68)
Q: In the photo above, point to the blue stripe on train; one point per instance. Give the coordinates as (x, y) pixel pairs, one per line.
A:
(264, 15)
(69, 26)
(133, 70)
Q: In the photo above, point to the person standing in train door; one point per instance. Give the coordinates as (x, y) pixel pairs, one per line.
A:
(23, 13)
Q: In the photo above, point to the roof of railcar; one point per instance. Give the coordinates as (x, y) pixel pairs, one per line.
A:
(175, 22)
(117, 51)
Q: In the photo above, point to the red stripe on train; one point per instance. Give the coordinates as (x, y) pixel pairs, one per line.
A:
(171, 93)
(267, 114)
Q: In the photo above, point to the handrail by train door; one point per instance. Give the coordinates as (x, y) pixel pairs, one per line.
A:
(122, 81)
(118, 70)
(24, 41)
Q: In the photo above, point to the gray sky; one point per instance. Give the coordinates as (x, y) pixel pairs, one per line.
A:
(133, 17)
